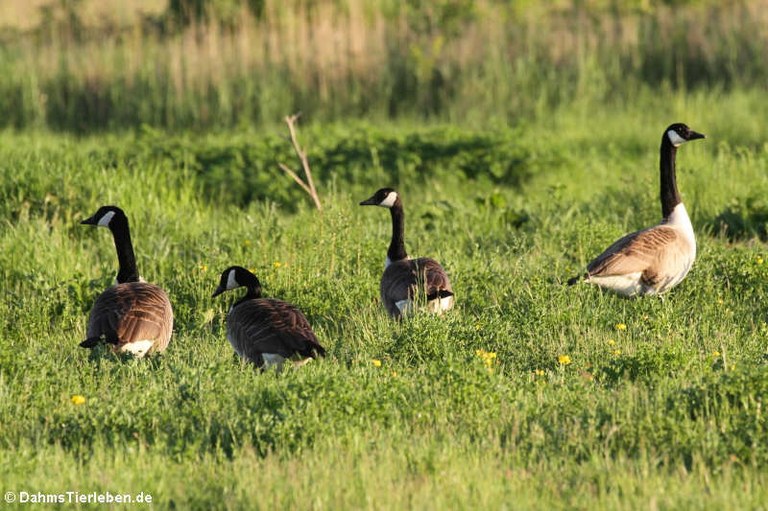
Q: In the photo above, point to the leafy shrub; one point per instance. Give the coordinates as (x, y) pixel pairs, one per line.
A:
(242, 171)
(743, 219)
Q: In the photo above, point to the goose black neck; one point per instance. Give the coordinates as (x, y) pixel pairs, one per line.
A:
(670, 196)
(396, 250)
(127, 271)
(253, 292)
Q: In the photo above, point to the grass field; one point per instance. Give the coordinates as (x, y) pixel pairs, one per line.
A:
(523, 137)
(591, 401)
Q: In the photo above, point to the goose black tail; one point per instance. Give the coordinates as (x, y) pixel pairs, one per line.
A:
(440, 293)
(91, 342)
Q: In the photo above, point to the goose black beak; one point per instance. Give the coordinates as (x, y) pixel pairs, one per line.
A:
(693, 135)
(369, 202)
(218, 291)
(89, 221)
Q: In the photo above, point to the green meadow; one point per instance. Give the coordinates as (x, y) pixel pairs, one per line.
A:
(529, 394)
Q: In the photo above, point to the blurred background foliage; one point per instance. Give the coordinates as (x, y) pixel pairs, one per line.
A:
(88, 65)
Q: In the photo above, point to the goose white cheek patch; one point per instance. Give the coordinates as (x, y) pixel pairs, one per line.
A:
(104, 221)
(676, 139)
(232, 281)
(390, 200)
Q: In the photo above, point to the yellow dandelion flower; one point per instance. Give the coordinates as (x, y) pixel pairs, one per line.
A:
(203, 268)
(394, 374)
(621, 326)
(563, 360)
(246, 243)
(759, 260)
(539, 372)
(611, 342)
(488, 358)
(716, 354)
(77, 400)
(616, 353)
(277, 264)
(376, 362)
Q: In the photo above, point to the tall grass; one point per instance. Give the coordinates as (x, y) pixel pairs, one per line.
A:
(468, 61)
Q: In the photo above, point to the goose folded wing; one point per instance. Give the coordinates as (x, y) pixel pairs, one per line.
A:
(399, 281)
(130, 312)
(437, 283)
(273, 326)
(636, 252)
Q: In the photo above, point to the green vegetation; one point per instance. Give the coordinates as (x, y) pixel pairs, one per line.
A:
(523, 137)
(667, 412)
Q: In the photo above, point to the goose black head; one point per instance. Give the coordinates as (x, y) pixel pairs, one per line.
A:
(237, 276)
(385, 197)
(105, 217)
(678, 134)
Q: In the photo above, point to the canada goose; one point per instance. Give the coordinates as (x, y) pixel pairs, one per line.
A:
(405, 279)
(132, 315)
(266, 331)
(653, 260)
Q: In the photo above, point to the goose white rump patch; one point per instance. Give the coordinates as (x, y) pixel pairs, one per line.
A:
(627, 285)
(272, 359)
(436, 306)
(440, 305)
(137, 349)
(405, 306)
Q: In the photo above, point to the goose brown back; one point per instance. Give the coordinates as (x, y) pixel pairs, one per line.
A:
(130, 313)
(403, 280)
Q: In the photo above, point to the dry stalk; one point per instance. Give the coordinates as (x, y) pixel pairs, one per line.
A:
(309, 185)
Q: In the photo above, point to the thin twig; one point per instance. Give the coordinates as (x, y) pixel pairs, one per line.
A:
(295, 178)
(309, 186)
(291, 121)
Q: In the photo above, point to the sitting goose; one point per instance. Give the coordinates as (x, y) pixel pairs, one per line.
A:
(406, 280)
(133, 316)
(653, 260)
(266, 331)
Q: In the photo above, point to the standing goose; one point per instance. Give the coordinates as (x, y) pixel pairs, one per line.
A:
(406, 280)
(134, 316)
(266, 331)
(653, 260)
